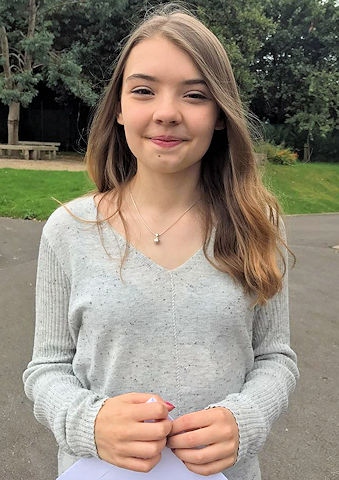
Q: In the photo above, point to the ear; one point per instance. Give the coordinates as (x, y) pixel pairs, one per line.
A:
(220, 123)
(120, 118)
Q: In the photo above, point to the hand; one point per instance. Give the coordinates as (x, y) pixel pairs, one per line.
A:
(206, 441)
(123, 439)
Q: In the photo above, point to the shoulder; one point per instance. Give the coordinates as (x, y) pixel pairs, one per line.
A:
(72, 214)
(68, 222)
(68, 231)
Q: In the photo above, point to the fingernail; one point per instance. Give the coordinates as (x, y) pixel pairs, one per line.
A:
(170, 406)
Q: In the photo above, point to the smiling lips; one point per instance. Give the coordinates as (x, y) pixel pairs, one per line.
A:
(166, 141)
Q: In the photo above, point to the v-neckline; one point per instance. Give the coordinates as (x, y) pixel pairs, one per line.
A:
(131, 248)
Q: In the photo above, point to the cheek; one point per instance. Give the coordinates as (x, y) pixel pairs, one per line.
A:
(132, 136)
(133, 121)
(206, 130)
(204, 137)
(132, 131)
(206, 122)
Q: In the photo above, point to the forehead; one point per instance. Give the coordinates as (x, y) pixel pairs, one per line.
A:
(158, 56)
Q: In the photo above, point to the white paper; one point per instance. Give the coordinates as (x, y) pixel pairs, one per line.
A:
(169, 468)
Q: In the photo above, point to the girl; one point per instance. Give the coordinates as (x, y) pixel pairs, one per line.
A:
(169, 281)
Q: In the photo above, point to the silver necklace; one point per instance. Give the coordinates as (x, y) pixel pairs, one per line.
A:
(156, 236)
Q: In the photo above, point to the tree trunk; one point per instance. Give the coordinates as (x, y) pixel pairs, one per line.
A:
(14, 107)
(13, 123)
(307, 150)
(32, 13)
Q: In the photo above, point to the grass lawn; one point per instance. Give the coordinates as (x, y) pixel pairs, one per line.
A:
(27, 193)
(305, 187)
(302, 188)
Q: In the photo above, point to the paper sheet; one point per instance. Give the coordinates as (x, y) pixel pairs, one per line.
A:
(169, 468)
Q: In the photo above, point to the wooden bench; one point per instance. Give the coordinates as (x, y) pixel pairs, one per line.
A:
(50, 151)
(30, 150)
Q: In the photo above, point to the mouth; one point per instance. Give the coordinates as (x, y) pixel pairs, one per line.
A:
(166, 141)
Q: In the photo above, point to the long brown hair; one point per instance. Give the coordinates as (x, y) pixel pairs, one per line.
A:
(242, 213)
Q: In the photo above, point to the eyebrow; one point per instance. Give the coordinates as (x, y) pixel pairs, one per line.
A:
(150, 78)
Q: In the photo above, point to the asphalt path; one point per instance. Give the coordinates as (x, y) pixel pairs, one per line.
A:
(303, 444)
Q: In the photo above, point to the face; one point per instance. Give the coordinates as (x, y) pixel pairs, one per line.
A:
(167, 111)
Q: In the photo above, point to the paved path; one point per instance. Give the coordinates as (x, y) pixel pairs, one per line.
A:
(71, 163)
(303, 444)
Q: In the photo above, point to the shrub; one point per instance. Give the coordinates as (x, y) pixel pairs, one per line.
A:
(279, 155)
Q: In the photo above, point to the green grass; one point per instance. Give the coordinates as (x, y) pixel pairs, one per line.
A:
(27, 193)
(301, 188)
(305, 187)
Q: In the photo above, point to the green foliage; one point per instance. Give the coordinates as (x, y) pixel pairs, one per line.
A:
(284, 54)
(320, 99)
(24, 88)
(282, 134)
(91, 33)
(242, 27)
(64, 69)
(279, 155)
(297, 68)
(285, 156)
(39, 46)
(47, 53)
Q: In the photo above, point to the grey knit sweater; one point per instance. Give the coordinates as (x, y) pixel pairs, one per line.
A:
(188, 334)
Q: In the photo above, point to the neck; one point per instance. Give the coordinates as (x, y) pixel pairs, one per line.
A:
(167, 192)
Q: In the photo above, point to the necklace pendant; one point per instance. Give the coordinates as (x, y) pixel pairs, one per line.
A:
(156, 238)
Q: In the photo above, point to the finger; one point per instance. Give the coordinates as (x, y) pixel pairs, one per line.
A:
(137, 397)
(144, 450)
(150, 411)
(191, 421)
(210, 468)
(192, 439)
(147, 431)
(206, 455)
(137, 464)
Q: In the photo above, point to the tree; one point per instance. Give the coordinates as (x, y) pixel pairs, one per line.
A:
(297, 68)
(242, 27)
(319, 114)
(91, 32)
(17, 83)
(30, 53)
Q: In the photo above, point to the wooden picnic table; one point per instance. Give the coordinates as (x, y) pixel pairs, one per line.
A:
(32, 150)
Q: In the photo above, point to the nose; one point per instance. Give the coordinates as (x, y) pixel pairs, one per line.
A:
(167, 112)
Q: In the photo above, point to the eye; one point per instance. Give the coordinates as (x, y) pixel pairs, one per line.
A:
(195, 95)
(142, 91)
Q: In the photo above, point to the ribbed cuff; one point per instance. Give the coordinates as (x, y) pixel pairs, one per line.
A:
(80, 431)
(252, 427)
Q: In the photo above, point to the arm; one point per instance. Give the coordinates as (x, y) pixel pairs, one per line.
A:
(60, 401)
(263, 397)
(84, 423)
(267, 386)
(266, 389)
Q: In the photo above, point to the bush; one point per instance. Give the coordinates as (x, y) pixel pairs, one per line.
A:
(279, 155)
(323, 149)
(284, 156)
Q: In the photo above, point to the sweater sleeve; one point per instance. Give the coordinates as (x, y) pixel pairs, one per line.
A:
(264, 395)
(60, 402)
